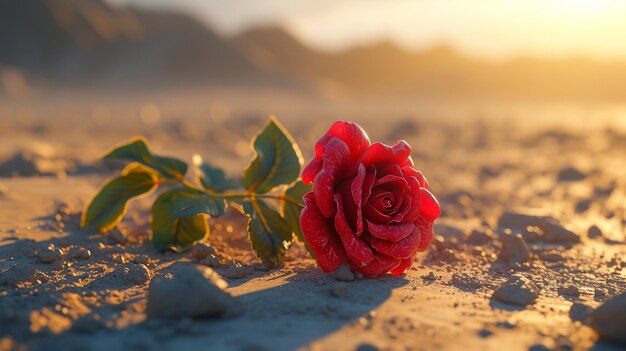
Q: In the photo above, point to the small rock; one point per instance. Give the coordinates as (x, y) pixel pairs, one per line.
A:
(236, 271)
(518, 290)
(263, 267)
(609, 319)
(571, 290)
(569, 174)
(80, 253)
(594, 232)
(202, 250)
(359, 276)
(50, 254)
(430, 276)
(552, 231)
(142, 259)
(339, 289)
(211, 261)
(485, 333)
(193, 291)
(118, 237)
(367, 347)
(539, 347)
(137, 273)
(600, 293)
(479, 237)
(514, 250)
(579, 312)
(343, 273)
(551, 256)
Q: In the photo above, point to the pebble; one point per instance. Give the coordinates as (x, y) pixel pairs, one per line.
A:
(430, 276)
(211, 261)
(202, 250)
(550, 256)
(118, 237)
(367, 347)
(50, 254)
(479, 237)
(192, 291)
(137, 273)
(359, 276)
(571, 290)
(485, 333)
(518, 290)
(552, 231)
(579, 312)
(514, 250)
(609, 319)
(569, 174)
(343, 273)
(594, 232)
(236, 271)
(263, 267)
(80, 253)
(339, 289)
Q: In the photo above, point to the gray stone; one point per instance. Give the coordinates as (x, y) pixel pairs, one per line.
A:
(193, 291)
(343, 273)
(518, 290)
(609, 319)
(514, 250)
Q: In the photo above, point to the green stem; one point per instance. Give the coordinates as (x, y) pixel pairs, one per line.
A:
(237, 195)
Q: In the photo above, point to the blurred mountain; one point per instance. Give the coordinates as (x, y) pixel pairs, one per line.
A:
(386, 68)
(75, 42)
(88, 43)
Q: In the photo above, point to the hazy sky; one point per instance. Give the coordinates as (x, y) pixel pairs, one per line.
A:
(486, 28)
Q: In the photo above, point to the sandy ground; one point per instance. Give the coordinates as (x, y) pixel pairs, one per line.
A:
(65, 288)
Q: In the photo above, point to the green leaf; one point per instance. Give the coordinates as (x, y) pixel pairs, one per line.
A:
(136, 150)
(213, 178)
(136, 167)
(191, 202)
(109, 205)
(171, 232)
(291, 205)
(268, 233)
(277, 161)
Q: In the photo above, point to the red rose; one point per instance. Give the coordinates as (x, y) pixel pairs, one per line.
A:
(369, 207)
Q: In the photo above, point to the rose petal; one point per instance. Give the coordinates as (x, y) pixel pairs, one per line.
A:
(391, 169)
(311, 170)
(381, 264)
(413, 201)
(401, 249)
(320, 236)
(429, 207)
(372, 214)
(381, 153)
(357, 196)
(392, 233)
(426, 228)
(350, 133)
(358, 251)
(403, 266)
(335, 159)
(411, 172)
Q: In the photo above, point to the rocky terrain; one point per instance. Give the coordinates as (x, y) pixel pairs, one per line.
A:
(530, 242)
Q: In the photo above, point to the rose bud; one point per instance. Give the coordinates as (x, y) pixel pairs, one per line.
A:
(369, 207)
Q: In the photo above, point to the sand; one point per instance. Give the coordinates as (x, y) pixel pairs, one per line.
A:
(560, 186)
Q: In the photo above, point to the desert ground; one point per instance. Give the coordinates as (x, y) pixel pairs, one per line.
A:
(551, 173)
